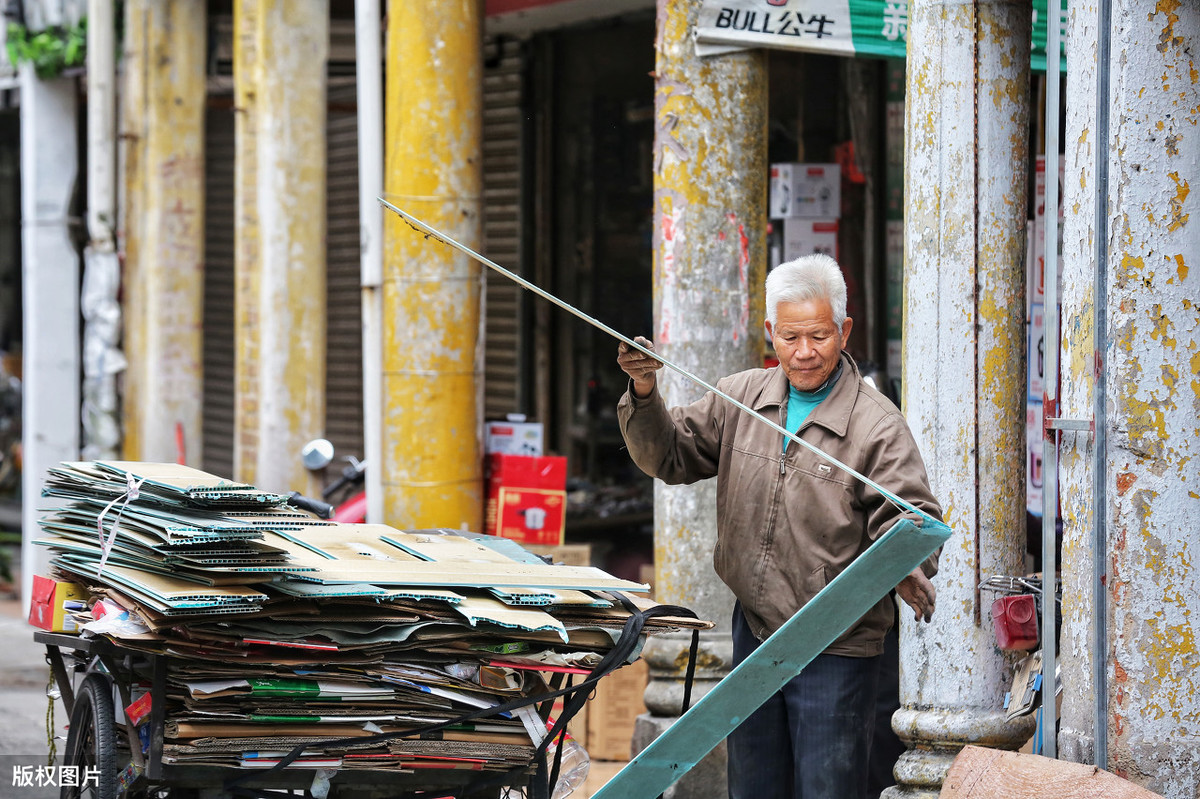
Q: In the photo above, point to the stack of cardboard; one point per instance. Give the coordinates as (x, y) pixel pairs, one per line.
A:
(283, 631)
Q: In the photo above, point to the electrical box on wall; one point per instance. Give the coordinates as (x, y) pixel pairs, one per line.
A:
(805, 191)
(809, 236)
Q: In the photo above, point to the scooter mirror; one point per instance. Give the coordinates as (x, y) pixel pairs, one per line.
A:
(317, 454)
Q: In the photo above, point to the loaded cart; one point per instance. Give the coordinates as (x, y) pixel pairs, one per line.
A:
(112, 752)
(209, 641)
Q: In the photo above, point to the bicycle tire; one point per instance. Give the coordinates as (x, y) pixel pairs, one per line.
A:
(92, 742)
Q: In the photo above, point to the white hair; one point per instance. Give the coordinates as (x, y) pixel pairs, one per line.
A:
(811, 277)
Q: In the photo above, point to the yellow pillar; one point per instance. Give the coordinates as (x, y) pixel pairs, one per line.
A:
(245, 235)
(432, 328)
(281, 50)
(132, 143)
(164, 227)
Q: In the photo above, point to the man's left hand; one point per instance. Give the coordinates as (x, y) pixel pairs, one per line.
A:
(919, 593)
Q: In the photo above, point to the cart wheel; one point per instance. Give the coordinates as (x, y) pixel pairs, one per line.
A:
(92, 742)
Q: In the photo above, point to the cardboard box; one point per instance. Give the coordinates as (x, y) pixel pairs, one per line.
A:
(1034, 441)
(808, 236)
(46, 604)
(526, 498)
(613, 712)
(1036, 268)
(513, 438)
(646, 575)
(805, 190)
(566, 554)
(1035, 361)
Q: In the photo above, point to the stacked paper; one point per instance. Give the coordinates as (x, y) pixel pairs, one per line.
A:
(353, 646)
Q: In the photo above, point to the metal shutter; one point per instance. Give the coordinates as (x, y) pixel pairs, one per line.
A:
(343, 346)
(503, 142)
(344, 315)
(219, 343)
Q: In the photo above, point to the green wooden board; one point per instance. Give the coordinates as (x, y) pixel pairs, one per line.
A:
(782, 656)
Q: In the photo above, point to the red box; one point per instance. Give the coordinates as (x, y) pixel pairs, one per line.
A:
(46, 604)
(527, 498)
(1015, 621)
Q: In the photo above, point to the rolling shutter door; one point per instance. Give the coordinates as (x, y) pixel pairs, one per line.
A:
(343, 345)
(219, 343)
(503, 142)
(503, 197)
(343, 408)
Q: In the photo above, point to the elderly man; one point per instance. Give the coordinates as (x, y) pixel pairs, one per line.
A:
(788, 522)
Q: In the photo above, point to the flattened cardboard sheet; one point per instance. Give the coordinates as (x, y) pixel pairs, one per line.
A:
(380, 555)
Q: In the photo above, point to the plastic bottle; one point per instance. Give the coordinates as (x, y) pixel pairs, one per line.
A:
(573, 770)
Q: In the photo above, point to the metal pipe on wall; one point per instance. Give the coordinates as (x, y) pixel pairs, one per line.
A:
(1050, 399)
(101, 124)
(1099, 389)
(369, 71)
(99, 304)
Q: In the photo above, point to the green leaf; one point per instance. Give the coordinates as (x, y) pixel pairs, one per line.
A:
(50, 50)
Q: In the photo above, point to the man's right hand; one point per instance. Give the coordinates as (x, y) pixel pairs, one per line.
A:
(639, 366)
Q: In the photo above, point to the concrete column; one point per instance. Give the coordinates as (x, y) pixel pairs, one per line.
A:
(1136, 326)
(50, 298)
(710, 173)
(963, 376)
(245, 240)
(433, 319)
(165, 245)
(281, 252)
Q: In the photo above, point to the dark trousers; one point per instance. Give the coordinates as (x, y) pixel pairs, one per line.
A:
(886, 746)
(812, 739)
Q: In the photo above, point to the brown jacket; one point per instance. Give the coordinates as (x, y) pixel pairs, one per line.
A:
(789, 523)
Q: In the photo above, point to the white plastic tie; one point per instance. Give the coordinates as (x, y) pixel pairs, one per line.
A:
(132, 486)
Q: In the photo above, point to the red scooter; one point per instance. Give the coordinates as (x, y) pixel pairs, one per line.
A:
(345, 499)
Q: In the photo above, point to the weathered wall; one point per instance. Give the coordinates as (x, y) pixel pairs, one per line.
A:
(164, 227)
(1151, 359)
(963, 380)
(432, 326)
(709, 264)
(280, 54)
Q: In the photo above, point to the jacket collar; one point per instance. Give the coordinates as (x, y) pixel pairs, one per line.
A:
(833, 414)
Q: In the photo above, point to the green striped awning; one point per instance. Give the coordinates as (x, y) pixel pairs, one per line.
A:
(876, 28)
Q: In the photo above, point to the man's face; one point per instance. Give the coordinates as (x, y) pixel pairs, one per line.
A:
(807, 341)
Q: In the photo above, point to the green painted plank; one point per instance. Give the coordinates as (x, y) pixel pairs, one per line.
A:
(781, 657)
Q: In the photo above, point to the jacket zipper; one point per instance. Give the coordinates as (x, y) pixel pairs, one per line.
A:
(783, 453)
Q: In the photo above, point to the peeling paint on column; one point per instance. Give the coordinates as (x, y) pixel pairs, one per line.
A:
(133, 141)
(432, 295)
(167, 251)
(709, 256)
(710, 172)
(963, 371)
(1079, 362)
(247, 268)
(286, 285)
(1153, 582)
